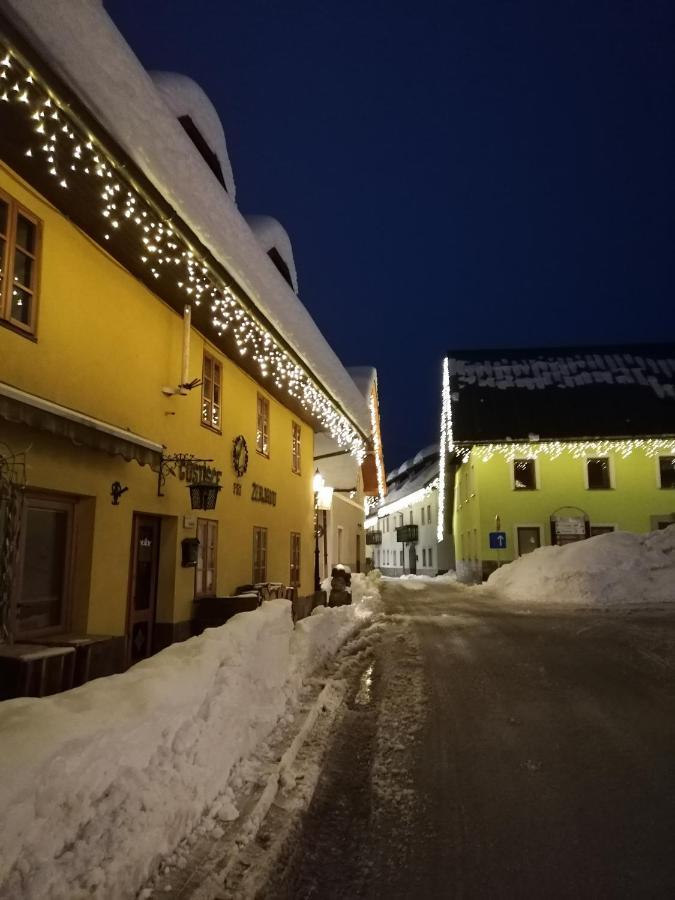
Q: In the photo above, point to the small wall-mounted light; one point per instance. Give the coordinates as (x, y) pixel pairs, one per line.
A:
(116, 491)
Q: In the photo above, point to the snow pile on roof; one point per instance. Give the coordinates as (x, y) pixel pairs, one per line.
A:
(611, 569)
(271, 235)
(568, 371)
(364, 377)
(185, 97)
(103, 780)
(78, 38)
(416, 460)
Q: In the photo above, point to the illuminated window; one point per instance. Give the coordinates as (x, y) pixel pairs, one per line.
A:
(296, 448)
(207, 532)
(524, 475)
(19, 244)
(667, 471)
(295, 560)
(211, 392)
(262, 435)
(598, 473)
(259, 555)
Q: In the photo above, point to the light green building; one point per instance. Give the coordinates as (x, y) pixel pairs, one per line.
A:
(550, 446)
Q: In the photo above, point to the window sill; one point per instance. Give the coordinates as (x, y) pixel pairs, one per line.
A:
(262, 453)
(10, 326)
(212, 429)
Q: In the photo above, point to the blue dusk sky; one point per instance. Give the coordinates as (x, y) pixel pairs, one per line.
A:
(490, 173)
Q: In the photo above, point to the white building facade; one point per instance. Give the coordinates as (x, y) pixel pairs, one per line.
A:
(401, 532)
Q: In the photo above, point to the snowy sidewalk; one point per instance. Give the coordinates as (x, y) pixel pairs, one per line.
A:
(104, 780)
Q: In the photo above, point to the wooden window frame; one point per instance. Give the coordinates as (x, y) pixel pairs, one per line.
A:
(49, 501)
(610, 473)
(255, 567)
(200, 573)
(207, 418)
(262, 433)
(14, 210)
(296, 449)
(296, 544)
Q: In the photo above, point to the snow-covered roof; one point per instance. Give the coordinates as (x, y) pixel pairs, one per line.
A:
(363, 377)
(413, 462)
(79, 40)
(562, 392)
(271, 235)
(417, 479)
(184, 97)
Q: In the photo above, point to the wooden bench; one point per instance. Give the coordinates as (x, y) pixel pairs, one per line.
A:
(96, 655)
(35, 670)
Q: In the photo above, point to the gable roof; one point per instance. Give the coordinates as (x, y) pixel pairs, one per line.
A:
(80, 42)
(562, 392)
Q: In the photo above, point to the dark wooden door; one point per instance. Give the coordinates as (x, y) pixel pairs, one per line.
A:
(529, 539)
(142, 587)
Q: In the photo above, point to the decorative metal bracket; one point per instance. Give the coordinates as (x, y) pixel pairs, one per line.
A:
(167, 466)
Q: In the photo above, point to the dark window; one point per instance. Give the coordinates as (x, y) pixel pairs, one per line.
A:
(598, 474)
(206, 152)
(601, 529)
(42, 603)
(259, 555)
(278, 261)
(295, 559)
(524, 475)
(207, 533)
(667, 471)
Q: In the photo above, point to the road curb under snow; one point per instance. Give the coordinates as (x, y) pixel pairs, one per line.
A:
(214, 877)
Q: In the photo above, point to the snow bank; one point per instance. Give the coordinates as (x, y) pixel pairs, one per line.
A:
(612, 569)
(104, 779)
(419, 582)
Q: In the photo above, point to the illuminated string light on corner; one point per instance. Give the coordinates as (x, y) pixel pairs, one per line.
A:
(624, 448)
(66, 147)
(377, 442)
(389, 509)
(446, 445)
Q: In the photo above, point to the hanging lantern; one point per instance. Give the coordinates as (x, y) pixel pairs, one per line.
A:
(204, 494)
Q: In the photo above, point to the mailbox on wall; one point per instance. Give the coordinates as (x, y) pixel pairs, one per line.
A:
(189, 552)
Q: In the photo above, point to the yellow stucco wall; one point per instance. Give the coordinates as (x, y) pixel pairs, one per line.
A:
(630, 505)
(106, 346)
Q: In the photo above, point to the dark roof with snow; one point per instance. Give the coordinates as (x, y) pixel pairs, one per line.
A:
(562, 392)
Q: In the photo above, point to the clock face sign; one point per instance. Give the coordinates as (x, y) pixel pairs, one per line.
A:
(240, 455)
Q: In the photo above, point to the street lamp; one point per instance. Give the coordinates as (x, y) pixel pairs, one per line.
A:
(317, 483)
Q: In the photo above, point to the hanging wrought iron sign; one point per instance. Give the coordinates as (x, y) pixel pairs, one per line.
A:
(240, 455)
(203, 480)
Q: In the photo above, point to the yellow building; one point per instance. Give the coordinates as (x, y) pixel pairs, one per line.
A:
(151, 339)
(556, 445)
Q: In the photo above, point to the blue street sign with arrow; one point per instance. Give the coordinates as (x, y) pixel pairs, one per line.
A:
(497, 540)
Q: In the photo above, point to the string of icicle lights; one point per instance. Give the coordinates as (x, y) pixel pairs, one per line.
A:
(651, 447)
(377, 443)
(70, 155)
